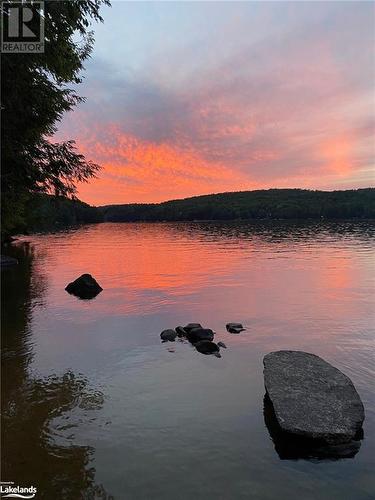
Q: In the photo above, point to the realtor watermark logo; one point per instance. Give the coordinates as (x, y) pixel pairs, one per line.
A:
(8, 490)
(22, 27)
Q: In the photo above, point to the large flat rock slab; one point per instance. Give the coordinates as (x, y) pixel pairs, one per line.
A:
(311, 398)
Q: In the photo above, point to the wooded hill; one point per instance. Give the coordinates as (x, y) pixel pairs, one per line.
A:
(46, 213)
(262, 204)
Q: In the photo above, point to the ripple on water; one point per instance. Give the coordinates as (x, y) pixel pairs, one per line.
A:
(144, 417)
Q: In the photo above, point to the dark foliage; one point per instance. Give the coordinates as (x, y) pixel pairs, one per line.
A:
(45, 213)
(264, 204)
(36, 92)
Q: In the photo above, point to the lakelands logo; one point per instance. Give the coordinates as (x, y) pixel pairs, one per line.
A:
(22, 27)
(7, 490)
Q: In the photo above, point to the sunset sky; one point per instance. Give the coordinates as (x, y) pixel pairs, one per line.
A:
(195, 98)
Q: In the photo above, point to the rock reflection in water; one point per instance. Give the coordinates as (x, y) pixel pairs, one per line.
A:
(290, 447)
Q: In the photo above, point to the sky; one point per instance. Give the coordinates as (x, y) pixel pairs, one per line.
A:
(190, 98)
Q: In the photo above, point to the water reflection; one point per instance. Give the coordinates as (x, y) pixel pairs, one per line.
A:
(22, 290)
(299, 286)
(291, 448)
(293, 232)
(36, 451)
(31, 451)
(143, 267)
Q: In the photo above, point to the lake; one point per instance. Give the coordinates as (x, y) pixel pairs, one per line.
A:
(96, 407)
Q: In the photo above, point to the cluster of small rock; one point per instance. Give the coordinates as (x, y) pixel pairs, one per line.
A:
(201, 338)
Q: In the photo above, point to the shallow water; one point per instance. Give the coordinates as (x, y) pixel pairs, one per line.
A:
(95, 406)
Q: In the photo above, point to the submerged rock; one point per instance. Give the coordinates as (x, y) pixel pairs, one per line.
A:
(235, 327)
(84, 287)
(168, 335)
(181, 332)
(190, 326)
(291, 447)
(312, 399)
(207, 347)
(197, 334)
(7, 261)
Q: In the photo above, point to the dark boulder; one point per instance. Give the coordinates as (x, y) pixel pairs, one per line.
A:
(311, 398)
(84, 287)
(181, 332)
(197, 334)
(168, 335)
(190, 326)
(207, 347)
(234, 327)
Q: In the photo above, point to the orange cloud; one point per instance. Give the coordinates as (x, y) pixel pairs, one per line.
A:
(337, 153)
(285, 114)
(136, 170)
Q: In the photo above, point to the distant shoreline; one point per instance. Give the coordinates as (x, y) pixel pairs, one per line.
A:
(50, 213)
(246, 192)
(271, 204)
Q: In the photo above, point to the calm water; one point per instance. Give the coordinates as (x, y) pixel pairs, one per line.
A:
(96, 407)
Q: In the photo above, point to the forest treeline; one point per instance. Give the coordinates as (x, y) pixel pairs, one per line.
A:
(262, 204)
(47, 212)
